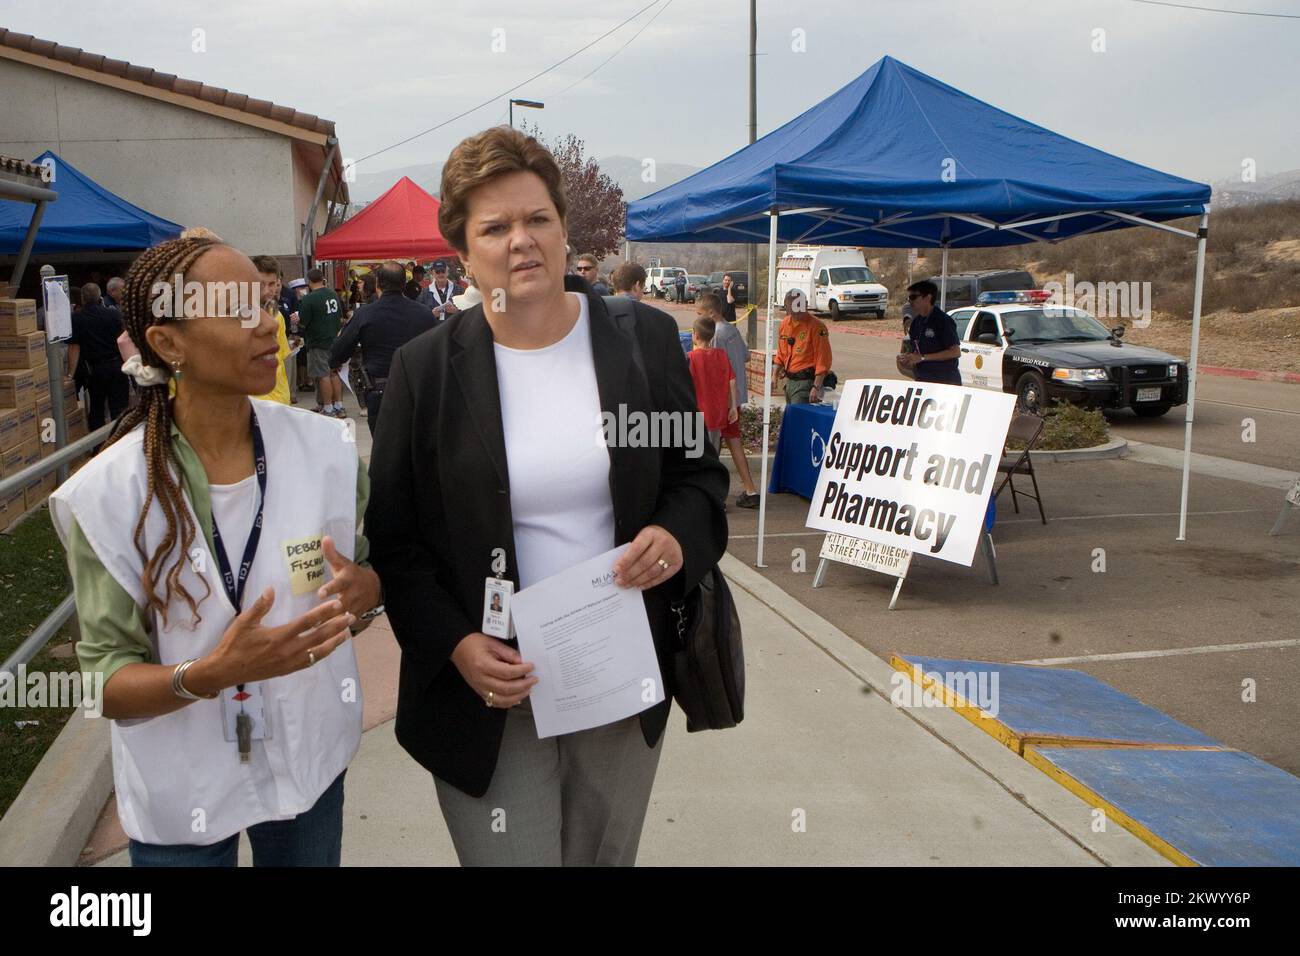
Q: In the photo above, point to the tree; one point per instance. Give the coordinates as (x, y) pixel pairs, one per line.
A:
(597, 213)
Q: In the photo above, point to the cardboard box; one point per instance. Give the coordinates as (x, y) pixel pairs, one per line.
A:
(41, 378)
(39, 490)
(77, 427)
(29, 426)
(754, 369)
(9, 433)
(17, 388)
(11, 460)
(12, 510)
(22, 351)
(17, 316)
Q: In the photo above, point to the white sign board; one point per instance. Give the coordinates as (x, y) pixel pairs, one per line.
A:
(912, 465)
(911, 257)
(887, 559)
(58, 309)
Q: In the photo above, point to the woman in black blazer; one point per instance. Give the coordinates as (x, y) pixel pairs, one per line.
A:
(470, 466)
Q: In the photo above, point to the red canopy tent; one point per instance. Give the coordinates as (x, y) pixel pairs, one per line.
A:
(400, 224)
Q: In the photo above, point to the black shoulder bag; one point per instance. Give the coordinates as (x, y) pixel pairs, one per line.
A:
(708, 659)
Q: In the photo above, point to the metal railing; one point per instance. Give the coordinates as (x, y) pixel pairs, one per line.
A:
(48, 628)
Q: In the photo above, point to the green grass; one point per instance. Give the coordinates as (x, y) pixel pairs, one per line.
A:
(33, 580)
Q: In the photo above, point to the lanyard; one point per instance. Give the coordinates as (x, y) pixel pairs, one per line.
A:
(235, 586)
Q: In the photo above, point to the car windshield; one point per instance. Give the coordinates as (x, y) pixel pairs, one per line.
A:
(1054, 325)
(697, 279)
(847, 274)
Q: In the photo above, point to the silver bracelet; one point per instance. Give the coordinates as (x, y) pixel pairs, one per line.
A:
(178, 685)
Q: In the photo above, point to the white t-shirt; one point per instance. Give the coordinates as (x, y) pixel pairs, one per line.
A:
(558, 461)
(235, 507)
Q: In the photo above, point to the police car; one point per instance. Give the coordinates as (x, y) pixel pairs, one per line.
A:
(1020, 342)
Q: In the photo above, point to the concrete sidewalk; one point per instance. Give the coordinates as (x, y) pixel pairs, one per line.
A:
(824, 770)
(821, 746)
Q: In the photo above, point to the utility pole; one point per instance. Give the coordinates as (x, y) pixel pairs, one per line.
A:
(751, 324)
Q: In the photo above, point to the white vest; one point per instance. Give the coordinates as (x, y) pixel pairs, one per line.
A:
(178, 779)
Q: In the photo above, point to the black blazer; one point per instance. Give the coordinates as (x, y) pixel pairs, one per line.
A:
(440, 504)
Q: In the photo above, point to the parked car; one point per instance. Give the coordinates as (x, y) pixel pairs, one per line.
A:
(655, 279)
(694, 285)
(739, 284)
(834, 280)
(1044, 353)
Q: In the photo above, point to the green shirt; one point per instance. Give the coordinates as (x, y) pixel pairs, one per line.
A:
(114, 631)
(319, 314)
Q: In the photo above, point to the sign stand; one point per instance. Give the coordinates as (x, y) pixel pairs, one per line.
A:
(1288, 506)
(819, 577)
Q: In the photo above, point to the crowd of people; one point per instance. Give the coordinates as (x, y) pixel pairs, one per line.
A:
(222, 676)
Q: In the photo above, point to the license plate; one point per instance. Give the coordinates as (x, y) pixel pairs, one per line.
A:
(1148, 395)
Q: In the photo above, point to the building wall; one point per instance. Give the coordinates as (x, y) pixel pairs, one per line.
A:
(241, 182)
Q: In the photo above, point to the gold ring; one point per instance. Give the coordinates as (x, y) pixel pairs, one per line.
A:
(489, 698)
(311, 658)
(663, 564)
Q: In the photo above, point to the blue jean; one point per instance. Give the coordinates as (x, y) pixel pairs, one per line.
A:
(312, 838)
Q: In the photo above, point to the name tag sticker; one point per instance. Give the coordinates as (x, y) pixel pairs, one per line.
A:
(305, 562)
(496, 607)
(248, 701)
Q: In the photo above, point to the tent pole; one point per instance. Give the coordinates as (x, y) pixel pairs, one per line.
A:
(767, 379)
(943, 282)
(25, 252)
(1201, 235)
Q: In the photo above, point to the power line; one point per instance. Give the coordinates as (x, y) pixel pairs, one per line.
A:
(1240, 13)
(616, 52)
(498, 96)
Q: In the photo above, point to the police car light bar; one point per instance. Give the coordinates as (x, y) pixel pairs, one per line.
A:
(1019, 295)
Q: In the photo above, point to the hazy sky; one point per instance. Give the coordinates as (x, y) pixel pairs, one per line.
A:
(1192, 93)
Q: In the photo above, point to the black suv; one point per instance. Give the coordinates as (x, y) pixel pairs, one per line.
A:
(739, 285)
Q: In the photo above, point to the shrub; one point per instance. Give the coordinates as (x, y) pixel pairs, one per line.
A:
(751, 427)
(1069, 426)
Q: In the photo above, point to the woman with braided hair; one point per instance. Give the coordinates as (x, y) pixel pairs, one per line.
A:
(215, 592)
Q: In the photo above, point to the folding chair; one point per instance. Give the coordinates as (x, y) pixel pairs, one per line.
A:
(1026, 428)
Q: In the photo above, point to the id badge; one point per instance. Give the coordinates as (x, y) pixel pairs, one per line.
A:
(496, 607)
(249, 701)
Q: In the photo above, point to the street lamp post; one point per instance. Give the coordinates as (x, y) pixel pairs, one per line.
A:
(531, 104)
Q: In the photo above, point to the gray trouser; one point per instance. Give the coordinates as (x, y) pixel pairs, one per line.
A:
(574, 800)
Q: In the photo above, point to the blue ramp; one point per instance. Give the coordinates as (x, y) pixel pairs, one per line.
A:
(1197, 807)
(1046, 705)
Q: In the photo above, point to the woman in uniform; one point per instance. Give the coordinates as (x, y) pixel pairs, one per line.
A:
(215, 588)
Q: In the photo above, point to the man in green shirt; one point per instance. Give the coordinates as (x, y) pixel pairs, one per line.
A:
(319, 314)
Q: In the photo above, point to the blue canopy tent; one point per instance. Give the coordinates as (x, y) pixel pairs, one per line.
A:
(897, 158)
(86, 217)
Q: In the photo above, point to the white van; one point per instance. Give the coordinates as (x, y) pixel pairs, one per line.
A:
(657, 276)
(835, 279)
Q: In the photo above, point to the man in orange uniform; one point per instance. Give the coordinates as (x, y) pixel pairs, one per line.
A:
(803, 351)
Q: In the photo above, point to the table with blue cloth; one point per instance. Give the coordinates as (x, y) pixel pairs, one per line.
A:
(805, 430)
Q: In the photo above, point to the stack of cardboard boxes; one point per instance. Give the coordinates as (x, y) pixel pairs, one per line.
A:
(754, 370)
(27, 432)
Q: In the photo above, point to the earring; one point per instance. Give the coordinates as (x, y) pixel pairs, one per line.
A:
(176, 370)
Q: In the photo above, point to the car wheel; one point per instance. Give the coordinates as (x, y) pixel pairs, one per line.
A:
(1031, 393)
(1150, 411)
(835, 311)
